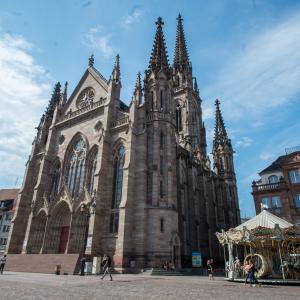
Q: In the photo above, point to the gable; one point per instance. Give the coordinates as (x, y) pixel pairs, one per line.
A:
(92, 82)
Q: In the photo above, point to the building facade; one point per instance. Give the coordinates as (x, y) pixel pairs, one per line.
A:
(133, 181)
(278, 189)
(8, 199)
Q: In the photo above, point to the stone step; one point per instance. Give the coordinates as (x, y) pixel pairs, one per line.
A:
(42, 263)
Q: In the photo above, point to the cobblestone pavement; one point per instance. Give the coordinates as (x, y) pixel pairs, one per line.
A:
(32, 286)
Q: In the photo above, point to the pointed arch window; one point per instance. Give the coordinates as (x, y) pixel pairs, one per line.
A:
(161, 99)
(76, 168)
(118, 177)
(178, 119)
(55, 180)
(161, 141)
(92, 171)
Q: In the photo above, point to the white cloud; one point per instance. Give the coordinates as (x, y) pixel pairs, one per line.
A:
(95, 39)
(266, 155)
(25, 90)
(207, 113)
(244, 142)
(134, 17)
(265, 75)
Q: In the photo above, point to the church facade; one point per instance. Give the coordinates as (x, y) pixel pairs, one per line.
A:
(134, 182)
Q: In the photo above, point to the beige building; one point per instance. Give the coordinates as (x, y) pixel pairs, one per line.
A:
(131, 181)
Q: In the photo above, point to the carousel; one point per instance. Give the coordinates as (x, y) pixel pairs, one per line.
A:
(272, 243)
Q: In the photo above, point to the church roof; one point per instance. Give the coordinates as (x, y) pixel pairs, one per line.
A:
(264, 219)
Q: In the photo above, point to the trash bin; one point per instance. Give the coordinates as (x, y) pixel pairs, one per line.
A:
(57, 269)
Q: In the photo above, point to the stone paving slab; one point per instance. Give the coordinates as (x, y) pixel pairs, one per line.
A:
(33, 286)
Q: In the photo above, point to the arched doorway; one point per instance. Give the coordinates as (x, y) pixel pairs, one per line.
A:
(37, 233)
(57, 235)
(175, 250)
(78, 232)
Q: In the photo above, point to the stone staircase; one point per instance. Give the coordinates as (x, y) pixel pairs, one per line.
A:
(42, 263)
(178, 272)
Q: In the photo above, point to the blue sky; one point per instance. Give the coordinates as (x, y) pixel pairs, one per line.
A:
(244, 52)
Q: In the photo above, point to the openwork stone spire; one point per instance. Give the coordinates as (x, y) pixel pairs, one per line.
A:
(221, 137)
(181, 56)
(159, 56)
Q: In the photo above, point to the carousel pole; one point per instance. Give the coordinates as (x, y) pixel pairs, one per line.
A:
(281, 262)
(224, 253)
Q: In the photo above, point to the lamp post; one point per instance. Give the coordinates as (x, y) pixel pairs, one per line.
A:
(87, 209)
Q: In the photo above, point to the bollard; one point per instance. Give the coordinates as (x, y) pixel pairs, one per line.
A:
(57, 269)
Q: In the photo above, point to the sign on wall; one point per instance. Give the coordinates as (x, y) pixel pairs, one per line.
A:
(196, 259)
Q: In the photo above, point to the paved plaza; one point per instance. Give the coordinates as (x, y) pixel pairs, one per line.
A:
(46, 286)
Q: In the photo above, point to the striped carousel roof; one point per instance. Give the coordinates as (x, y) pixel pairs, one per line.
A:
(264, 219)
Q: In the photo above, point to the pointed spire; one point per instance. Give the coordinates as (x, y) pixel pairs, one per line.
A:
(116, 74)
(159, 55)
(221, 137)
(138, 92)
(181, 56)
(196, 89)
(91, 61)
(55, 100)
(65, 93)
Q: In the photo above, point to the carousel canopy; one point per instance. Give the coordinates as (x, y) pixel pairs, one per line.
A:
(264, 219)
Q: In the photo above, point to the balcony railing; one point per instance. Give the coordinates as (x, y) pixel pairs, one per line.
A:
(268, 187)
(119, 122)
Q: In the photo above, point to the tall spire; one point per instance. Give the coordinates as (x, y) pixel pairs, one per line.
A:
(221, 137)
(138, 92)
(116, 74)
(159, 55)
(181, 56)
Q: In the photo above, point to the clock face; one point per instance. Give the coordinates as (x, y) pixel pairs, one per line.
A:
(85, 98)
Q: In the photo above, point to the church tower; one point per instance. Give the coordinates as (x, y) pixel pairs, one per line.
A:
(189, 125)
(223, 164)
(161, 153)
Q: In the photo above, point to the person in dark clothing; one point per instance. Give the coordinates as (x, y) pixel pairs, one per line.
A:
(210, 269)
(2, 263)
(107, 266)
(82, 265)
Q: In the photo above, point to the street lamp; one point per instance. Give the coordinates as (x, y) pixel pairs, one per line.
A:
(87, 209)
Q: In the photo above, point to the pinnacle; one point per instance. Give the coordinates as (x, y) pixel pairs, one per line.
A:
(181, 56)
(220, 130)
(91, 61)
(116, 71)
(138, 84)
(159, 56)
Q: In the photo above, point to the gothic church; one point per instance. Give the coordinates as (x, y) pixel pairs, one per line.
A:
(133, 181)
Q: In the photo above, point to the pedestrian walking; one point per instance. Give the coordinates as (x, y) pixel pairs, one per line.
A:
(210, 269)
(2, 263)
(107, 266)
(82, 265)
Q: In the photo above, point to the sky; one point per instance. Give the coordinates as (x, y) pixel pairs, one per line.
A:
(243, 52)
